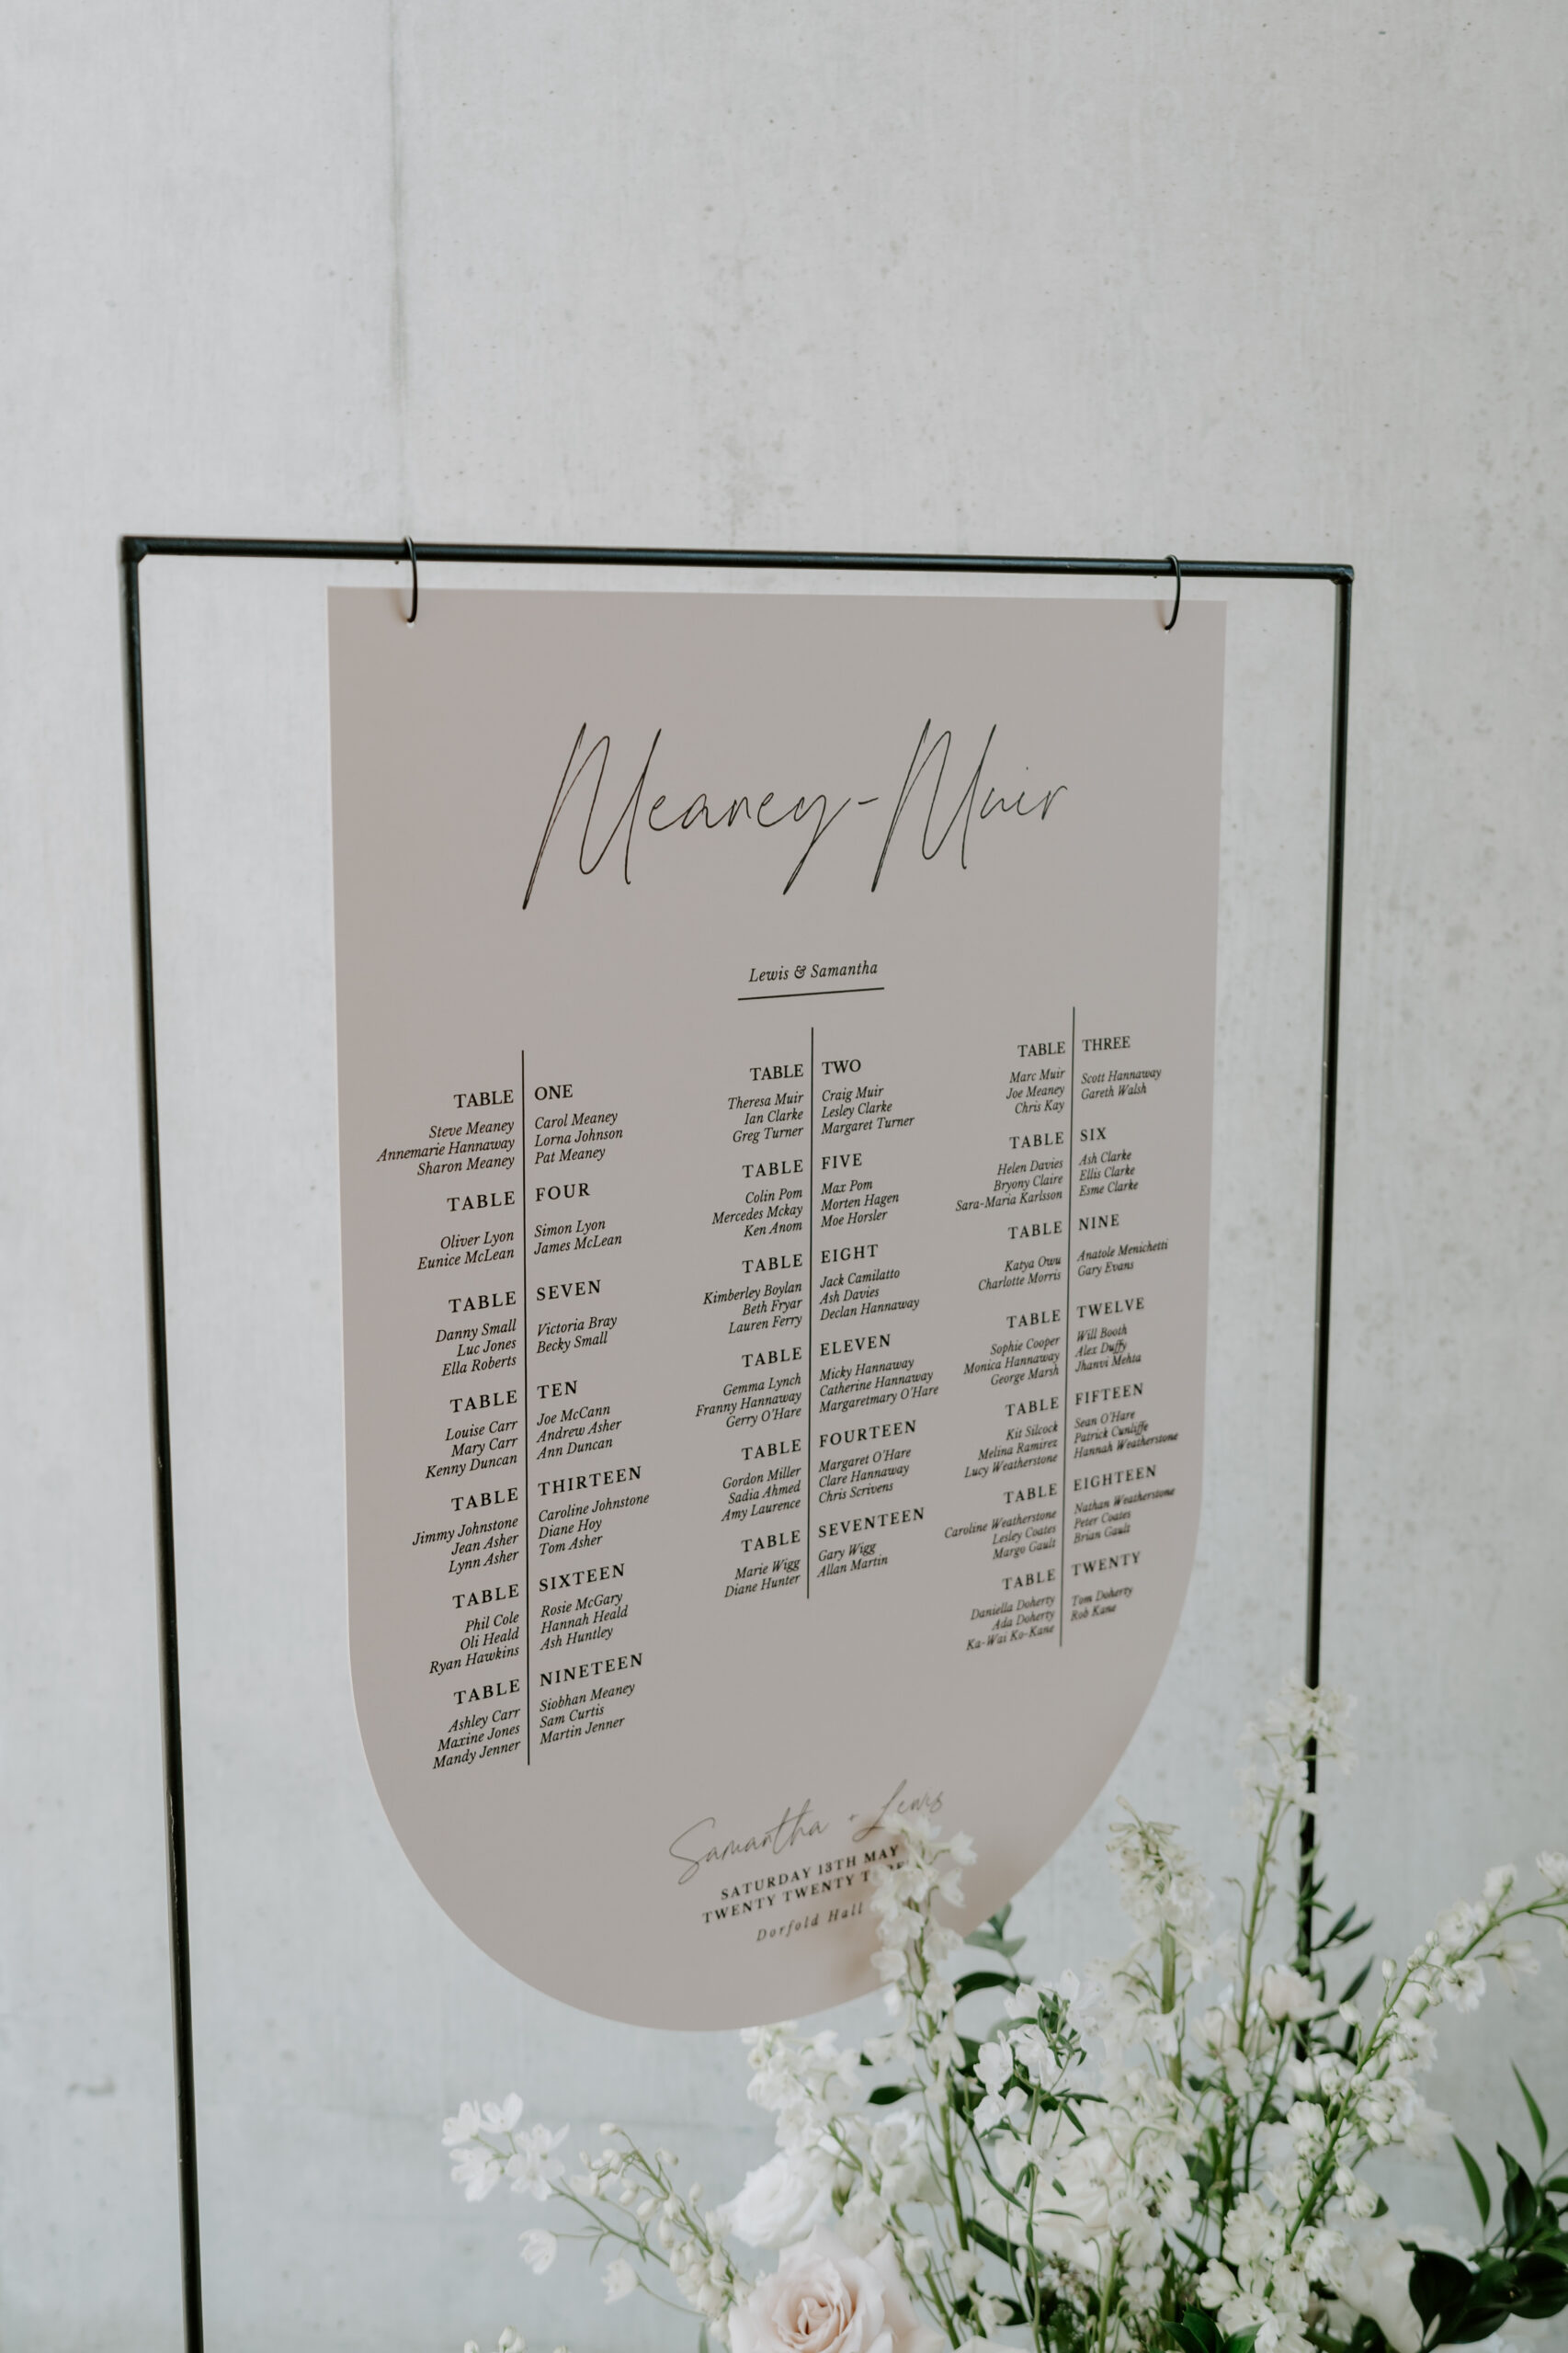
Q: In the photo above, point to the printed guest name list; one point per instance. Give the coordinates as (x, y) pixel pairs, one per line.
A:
(776, 1078)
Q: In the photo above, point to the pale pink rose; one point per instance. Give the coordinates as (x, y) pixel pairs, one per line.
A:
(826, 2299)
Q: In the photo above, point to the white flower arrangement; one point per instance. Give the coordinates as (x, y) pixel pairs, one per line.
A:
(1112, 2164)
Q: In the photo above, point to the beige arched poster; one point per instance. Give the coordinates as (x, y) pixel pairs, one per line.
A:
(776, 1067)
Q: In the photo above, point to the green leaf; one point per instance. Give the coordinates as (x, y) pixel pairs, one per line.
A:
(1475, 2327)
(1440, 2287)
(1544, 2268)
(1477, 2180)
(885, 2094)
(990, 2241)
(1356, 1984)
(992, 1936)
(1529, 2287)
(1542, 2299)
(1196, 2332)
(1519, 2205)
(1537, 2119)
(980, 1980)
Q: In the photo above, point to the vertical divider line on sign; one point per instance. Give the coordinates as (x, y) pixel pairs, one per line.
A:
(1067, 1320)
(527, 1424)
(811, 1284)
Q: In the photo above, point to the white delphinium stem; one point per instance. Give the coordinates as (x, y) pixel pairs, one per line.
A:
(1372, 2102)
(1277, 2241)
(629, 2201)
(878, 2163)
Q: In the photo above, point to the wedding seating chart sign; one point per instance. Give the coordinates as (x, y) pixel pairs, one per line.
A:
(776, 1062)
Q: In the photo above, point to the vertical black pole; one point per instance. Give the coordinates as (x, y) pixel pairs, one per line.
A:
(1328, 1121)
(132, 552)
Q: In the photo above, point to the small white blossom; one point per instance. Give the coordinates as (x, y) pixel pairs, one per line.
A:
(1287, 1995)
(531, 2170)
(620, 2279)
(994, 2064)
(1464, 1985)
(1515, 1958)
(539, 2250)
(995, 2112)
(863, 2222)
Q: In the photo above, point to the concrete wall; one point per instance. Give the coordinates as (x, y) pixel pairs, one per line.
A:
(901, 273)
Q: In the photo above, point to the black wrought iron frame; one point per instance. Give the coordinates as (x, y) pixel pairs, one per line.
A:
(135, 549)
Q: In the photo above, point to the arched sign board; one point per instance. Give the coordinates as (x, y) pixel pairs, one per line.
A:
(776, 1068)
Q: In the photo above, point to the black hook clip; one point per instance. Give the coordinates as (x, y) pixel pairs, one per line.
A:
(1176, 607)
(413, 614)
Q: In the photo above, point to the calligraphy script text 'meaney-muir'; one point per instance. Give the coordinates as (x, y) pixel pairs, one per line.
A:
(818, 811)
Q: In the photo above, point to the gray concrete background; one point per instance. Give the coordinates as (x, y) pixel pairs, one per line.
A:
(1279, 283)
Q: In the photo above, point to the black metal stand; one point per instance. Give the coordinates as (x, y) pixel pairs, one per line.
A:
(134, 549)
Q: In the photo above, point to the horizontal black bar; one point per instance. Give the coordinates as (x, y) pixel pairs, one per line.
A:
(135, 546)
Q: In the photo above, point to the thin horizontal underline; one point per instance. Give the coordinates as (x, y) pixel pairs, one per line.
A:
(768, 996)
